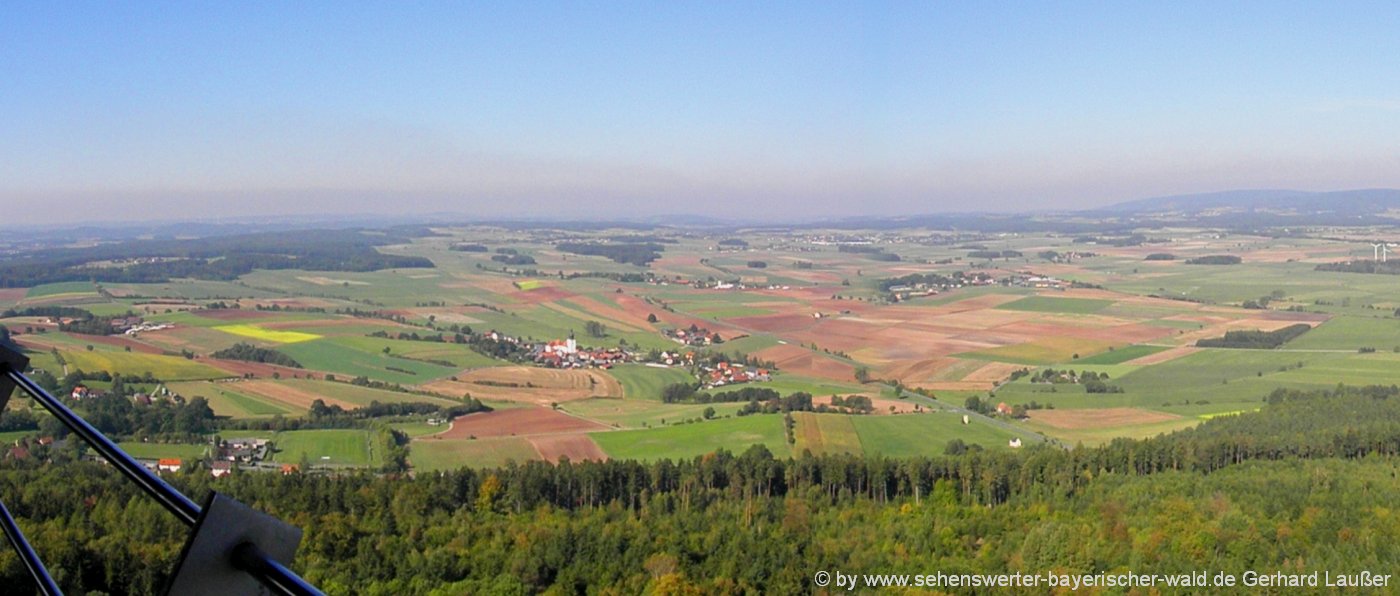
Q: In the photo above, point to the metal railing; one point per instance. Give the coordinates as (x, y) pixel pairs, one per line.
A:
(245, 556)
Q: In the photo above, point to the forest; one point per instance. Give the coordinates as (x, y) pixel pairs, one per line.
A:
(639, 254)
(1307, 483)
(217, 258)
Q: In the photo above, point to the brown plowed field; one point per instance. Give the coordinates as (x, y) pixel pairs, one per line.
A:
(779, 323)
(532, 385)
(801, 361)
(12, 294)
(1098, 418)
(577, 447)
(881, 405)
(516, 422)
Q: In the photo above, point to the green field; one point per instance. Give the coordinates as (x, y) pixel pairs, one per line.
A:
(690, 440)
(333, 447)
(330, 355)
(227, 402)
(1078, 306)
(461, 356)
(9, 437)
(431, 455)
(260, 333)
(646, 382)
(363, 396)
(1120, 355)
(626, 413)
(909, 435)
(1351, 333)
(57, 289)
(1046, 350)
(164, 450)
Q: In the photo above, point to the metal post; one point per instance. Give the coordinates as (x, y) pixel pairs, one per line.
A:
(250, 559)
(172, 499)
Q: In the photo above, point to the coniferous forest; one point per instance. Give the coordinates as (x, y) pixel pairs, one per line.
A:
(1307, 483)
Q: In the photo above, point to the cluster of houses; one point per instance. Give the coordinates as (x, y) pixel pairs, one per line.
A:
(227, 456)
(693, 336)
(82, 392)
(567, 354)
(1028, 279)
(726, 373)
(24, 447)
(141, 327)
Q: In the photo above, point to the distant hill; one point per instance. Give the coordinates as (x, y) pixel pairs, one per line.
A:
(1342, 203)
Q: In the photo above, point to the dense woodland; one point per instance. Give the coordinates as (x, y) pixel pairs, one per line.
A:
(639, 254)
(1215, 260)
(1255, 339)
(1308, 483)
(249, 352)
(216, 258)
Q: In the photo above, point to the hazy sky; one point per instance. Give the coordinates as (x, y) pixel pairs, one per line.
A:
(112, 110)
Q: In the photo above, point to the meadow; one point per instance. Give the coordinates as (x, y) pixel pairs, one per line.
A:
(690, 440)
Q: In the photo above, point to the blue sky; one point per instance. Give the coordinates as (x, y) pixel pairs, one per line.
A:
(145, 110)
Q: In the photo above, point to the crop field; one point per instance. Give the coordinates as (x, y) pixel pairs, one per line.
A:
(264, 334)
(646, 382)
(427, 455)
(1048, 350)
(826, 433)
(331, 447)
(526, 384)
(172, 368)
(690, 440)
(518, 422)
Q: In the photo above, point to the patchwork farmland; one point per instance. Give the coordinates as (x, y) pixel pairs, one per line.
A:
(814, 319)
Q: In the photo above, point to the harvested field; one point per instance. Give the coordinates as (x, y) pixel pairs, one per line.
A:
(1164, 356)
(529, 384)
(230, 314)
(12, 294)
(577, 447)
(299, 399)
(1096, 418)
(518, 422)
